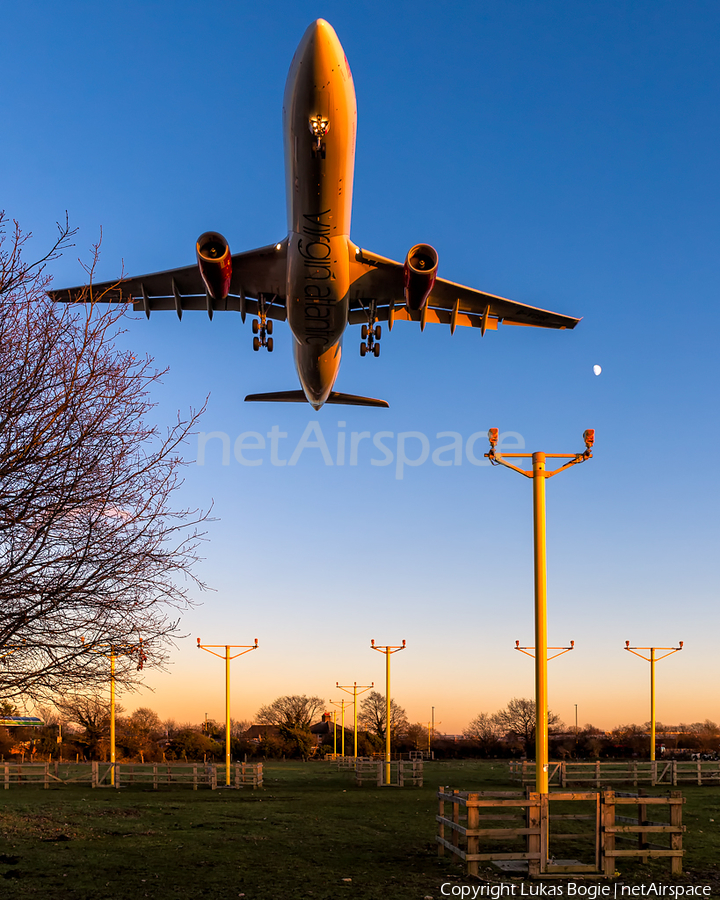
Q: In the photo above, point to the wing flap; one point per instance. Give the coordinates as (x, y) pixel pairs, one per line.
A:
(255, 272)
(379, 281)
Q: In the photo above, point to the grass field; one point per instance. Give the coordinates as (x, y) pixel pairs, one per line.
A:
(309, 833)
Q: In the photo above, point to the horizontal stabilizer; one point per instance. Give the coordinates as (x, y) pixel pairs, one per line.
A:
(299, 397)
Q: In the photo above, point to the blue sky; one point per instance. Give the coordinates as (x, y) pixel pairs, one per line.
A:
(556, 153)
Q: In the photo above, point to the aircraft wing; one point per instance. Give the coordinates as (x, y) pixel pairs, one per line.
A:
(379, 280)
(254, 272)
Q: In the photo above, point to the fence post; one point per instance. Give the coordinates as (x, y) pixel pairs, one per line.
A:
(597, 773)
(441, 816)
(473, 841)
(676, 839)
(653, 772)
(94, 774)
(47, 775)
(213, 777)
(195, 777)
(674, 773)
(532, 811)
(7, 776)
(456, 819)
(116, 769)
(642, 820)
(634, 773)
(608, 837)
(155, 777)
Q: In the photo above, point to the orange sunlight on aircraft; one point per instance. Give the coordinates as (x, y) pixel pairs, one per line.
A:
(316, 278)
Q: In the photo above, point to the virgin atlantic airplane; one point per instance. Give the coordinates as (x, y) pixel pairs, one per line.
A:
(317, 279)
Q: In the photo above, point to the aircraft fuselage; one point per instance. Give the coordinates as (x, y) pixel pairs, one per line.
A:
(319, 125)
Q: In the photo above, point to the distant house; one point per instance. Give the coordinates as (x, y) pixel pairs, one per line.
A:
(324, 728)
(258, 733)
(320, 730)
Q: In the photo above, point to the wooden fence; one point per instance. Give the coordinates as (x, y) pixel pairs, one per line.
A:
(626, 771)
(349, 762)
(421, 754)
(249, 774)
(402, 771)
(530, 840)
(95, 774)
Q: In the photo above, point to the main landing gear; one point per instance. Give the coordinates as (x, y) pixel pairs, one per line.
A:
(370, 336)
(261, 329)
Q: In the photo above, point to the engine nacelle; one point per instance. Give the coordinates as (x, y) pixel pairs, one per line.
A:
(420, 271)
(215, 264)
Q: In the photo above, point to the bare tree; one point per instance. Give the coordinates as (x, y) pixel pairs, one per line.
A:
(373, 715)
(92, 714)
(91, 546)
(417, 735)
(291, 711)
(238, 727)
(483, 731)
(518, 720)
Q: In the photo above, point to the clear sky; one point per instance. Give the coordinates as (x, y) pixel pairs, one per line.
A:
(558, 153)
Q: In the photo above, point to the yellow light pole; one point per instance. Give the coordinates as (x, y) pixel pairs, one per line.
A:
(560, 652)
(652, 659)
(388, 650)
(539, 474)
(355, 689)
(334, 733)
(243, 648)
(112, 651)
(341, 704)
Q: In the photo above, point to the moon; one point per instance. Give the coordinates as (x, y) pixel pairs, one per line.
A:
(597, 369)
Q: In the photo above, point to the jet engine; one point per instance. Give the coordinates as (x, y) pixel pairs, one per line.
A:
(215, 264)
(420, 271)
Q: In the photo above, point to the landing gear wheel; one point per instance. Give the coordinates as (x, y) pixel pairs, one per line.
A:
(256, 342)
(363, 348)
(378, 333)
(255, 326)
(268, 326)
(269, 345)
(376, 350)
(364, 332)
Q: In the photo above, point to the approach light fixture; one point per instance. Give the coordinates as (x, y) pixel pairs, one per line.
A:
(493, 436)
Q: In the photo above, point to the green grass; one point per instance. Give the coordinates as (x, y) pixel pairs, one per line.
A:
(307, 832)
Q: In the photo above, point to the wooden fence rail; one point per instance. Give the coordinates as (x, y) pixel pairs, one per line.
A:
(473, 820)
(402, 771)
(95, 774)
(604, 772)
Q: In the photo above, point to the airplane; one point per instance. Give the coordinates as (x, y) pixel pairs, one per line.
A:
(317, 279)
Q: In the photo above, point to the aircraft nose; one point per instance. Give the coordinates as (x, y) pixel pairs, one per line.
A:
(322, 34)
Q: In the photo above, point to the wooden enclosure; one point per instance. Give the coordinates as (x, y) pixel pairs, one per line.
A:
(493, 826)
